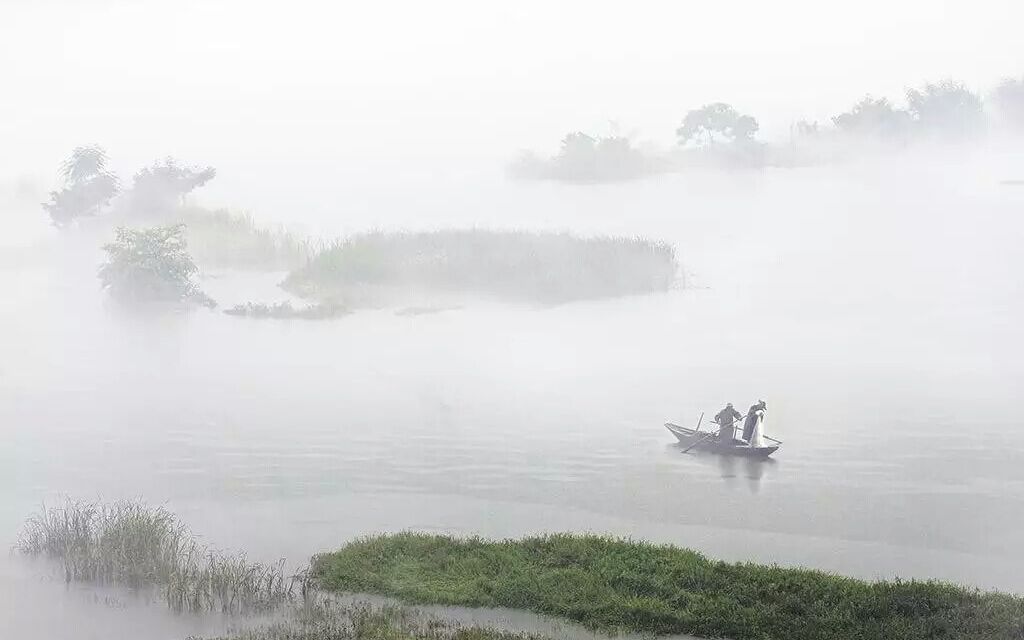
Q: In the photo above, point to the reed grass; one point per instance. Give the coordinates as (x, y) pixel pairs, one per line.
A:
(617, 585)
(323, 620)
(544, 267)
(230, 240)
(133, 544)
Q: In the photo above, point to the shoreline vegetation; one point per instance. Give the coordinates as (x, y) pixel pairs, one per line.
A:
(135, 545)
(608, 585)
(617, 585)
(323, 620)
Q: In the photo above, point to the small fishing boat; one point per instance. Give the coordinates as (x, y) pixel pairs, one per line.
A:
(707, 441)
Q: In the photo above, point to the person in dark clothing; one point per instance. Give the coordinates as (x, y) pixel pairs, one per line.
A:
(751, 421)
(725, 420)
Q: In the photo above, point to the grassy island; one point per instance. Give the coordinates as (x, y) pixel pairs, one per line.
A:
(540, 267)
(618, 585)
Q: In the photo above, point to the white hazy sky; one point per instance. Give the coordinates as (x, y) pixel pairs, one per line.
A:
(237, 83)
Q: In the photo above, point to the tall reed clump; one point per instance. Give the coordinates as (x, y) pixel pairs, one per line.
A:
(323, 620)
(543, 267)
(224, 239)
(139, 546)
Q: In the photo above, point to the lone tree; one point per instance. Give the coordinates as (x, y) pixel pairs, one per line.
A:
(159, 189)
(88, 186)
(151, 265)
(947, 108)
(716, 122)
(1009, 101)
(876, 118)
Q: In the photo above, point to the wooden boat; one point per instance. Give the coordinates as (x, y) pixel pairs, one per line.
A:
(706, 441)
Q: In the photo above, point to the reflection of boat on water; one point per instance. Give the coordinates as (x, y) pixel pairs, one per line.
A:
(708, 441)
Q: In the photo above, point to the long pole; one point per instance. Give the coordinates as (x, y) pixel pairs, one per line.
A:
(710, 435)
(702, 440)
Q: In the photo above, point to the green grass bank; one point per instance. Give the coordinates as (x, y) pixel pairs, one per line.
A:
(618, 585)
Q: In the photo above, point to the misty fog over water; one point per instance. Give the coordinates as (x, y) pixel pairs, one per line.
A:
(887, 348)
(875, 303)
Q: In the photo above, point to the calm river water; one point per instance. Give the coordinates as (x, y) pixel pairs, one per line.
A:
(877, 310)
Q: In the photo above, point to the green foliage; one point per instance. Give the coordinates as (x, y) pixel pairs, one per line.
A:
(715, 123)
(616, 585)
(151, 265)
(325, 621)
(132, 544)
(876, 118)
(545, 267)
(88, 187)
(946, 108)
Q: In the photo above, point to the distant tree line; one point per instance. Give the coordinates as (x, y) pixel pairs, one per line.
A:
(717, 134)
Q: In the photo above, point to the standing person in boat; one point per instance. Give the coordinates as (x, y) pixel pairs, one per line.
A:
(725, 420)
(751, 421)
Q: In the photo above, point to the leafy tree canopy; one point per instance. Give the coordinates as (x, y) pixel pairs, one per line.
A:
(946, 107)
(163, 186)
(88, 186)
(716, 122)
(84, 163)
(873, 117)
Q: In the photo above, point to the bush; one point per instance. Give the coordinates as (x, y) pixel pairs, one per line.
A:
(151, 265)
(133, 544)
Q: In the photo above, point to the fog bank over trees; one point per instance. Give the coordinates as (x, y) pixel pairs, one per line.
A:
(332, 92)
(718, 135)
